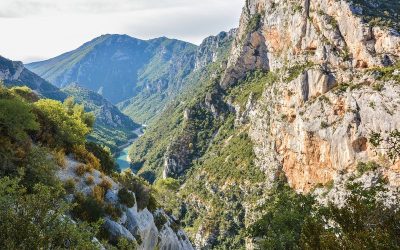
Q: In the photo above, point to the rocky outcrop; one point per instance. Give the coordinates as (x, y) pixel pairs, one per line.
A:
(212, 48)
(134, 224)
(14, 73)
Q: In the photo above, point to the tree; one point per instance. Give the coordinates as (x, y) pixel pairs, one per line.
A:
(65, 129)
(16, 119)
(285, 213)
(363, 222)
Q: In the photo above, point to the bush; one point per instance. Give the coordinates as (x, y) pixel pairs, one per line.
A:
(37, 220)
(16, 119)
(69, 186)
(141, 188)
(59, 156)
(160, 220)
(113, 211)
(80, 170)
(82, 155)
(105, 184)
(90, 180)
(88, 208)
(107, 162)
(68, 129)
(126, 198)
(98, 193)
(366, 167)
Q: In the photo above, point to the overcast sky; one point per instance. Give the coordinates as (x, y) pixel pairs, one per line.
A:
(39, 29)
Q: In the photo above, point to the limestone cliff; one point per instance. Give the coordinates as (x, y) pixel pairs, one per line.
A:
(316, 119)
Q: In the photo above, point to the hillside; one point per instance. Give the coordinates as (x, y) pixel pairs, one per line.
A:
(59, 191)
(297, 126)
(112, 128)
(15, 74)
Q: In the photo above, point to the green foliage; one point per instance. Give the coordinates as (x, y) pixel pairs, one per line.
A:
(37, 220)
(166, 194)
(125, 244)
(366, 167)
(254, 84)
(16, 119)
(391, 143)
(294, 221)
(254, 23)
(88, 208)
(70, 125)
(142, 190)
(363, 222)
(160, 220)
(384, 13)
(295, 71)
(285, 213)
(115, 212)
(126, 198)
(386, 74)
(107, 162)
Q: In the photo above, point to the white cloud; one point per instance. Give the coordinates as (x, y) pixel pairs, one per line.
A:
(39, 29)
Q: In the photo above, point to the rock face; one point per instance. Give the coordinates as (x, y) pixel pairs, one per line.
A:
(212, 47)
(15, 74)
(316, 119)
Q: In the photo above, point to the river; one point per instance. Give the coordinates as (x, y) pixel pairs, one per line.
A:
(123, 159)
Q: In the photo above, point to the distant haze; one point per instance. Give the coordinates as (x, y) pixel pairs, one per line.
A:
(34, 30)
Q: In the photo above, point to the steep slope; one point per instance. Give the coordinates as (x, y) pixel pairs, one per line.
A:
(59, 191)
(15, 74)
(121, 67)
(112, 128)
(305, 87)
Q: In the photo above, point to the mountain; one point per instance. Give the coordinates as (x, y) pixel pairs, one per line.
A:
(121, 67)
(149, 104)
(302, 109)
(14, 73)
(112, 128)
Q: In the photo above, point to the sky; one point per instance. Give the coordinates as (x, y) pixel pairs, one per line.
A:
(33, 30)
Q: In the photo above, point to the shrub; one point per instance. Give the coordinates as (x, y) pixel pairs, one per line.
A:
(82, 155)
(366, 167)
(59, 156)
(87, 208)
(126, 198)
(107, 162)
(141, 188)
(105, 184)
(68, 129)
(113, 211)
(37, 220)
(16, 119)
(90, 180)
(80, 170)
(98, 193)
(69, 185)
(125, 244)
(160, 220)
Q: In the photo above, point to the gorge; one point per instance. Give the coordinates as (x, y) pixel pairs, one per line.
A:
(283, 133)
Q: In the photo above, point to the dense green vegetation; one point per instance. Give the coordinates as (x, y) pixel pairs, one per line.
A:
(294, 221)
(112, 128)
(36, 135)
(32, 213)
